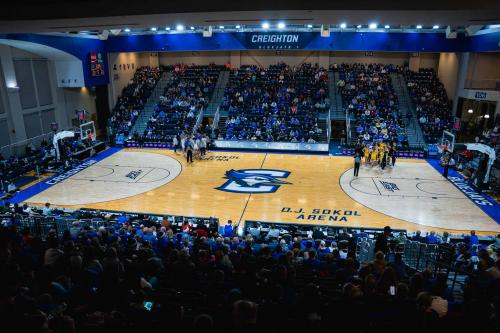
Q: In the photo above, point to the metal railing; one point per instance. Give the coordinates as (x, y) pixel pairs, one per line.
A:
(19, 148)
(199, 119)
(348, 126)
(329, 125)
(215, 123)
(438, 258)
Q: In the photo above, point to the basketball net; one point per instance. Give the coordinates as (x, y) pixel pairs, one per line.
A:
(442, 148)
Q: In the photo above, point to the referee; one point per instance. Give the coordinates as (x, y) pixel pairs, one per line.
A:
(189, 151)
(357, 162)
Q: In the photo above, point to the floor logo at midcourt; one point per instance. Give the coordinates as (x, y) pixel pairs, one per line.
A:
(254, 181)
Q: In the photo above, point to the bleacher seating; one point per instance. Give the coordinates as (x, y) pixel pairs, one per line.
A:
(368, 94)
(117, 272)
(180, 103)
(133, 98)
(279, 103)
(431, 102)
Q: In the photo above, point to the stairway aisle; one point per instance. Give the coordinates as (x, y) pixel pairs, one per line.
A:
(218, 94)
(141, 122)
(336, 109)
(413, 130)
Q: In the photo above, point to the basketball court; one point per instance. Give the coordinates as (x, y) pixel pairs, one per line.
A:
(288, 188)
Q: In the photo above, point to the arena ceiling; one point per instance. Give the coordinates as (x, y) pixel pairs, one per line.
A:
(97, 15)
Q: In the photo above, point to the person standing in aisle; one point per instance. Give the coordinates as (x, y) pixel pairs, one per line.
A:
(357, 162)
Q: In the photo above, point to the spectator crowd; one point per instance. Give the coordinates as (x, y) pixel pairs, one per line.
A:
(144, 274)
(132, 99)
(189, 92)
(431, 103)
(278, 103)
(368, 94)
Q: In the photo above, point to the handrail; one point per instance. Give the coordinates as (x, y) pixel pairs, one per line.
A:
(348, 125)
(215, 123)
(199, 119)
(329, 125)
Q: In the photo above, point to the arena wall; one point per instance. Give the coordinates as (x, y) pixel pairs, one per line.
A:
(483, 71)
(28, 111)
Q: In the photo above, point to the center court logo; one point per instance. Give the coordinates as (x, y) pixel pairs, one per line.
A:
(254, 180)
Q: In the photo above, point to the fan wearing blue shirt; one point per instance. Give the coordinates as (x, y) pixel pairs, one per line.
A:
(228, 229)
(122, 219)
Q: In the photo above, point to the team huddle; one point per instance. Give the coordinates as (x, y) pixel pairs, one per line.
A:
(379, 154)
(191, 145)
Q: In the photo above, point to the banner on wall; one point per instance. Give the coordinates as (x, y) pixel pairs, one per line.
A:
(275, 40)
(96, 64)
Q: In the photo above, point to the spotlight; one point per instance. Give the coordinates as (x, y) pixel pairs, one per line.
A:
(309, 26)
(167, 28)
(419, 26)
(387, 26)
(179, 27)
(373, 26)
(359, 26)
(343, 25)
(487, 116)
(154, 29)
(126, 30)
(192, 28)
(238, 27)
(265, 25)
(470, 111)
(281, 25)
(435, 26)
(221, 27)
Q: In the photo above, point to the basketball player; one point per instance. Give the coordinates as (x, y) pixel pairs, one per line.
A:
(392, 154)
(381, 152)
(374, 154)
(175, 142)
(203, 145)
(183, 142)
(366, 154)
(383, 161)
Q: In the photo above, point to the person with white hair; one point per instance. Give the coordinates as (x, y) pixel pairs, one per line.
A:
(332, 247)
(322, 249)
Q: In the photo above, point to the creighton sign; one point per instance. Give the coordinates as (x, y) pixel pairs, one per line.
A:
(274, 40)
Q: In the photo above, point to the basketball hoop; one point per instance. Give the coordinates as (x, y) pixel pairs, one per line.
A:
(442, 148)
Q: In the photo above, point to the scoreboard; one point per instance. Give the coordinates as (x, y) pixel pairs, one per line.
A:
(96, 64)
